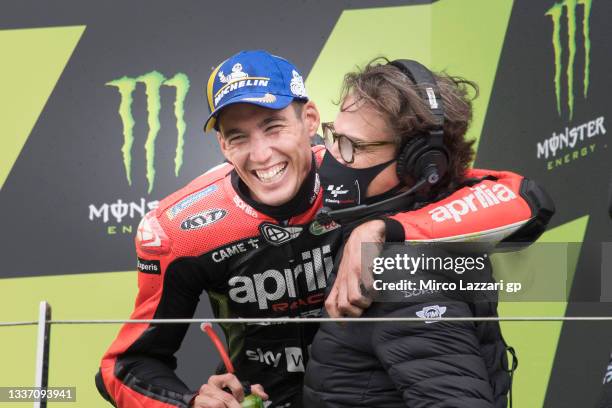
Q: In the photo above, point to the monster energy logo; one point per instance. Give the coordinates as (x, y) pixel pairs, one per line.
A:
(152, 82)
(555, 13)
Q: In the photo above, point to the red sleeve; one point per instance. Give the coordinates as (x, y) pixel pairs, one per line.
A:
(502, 206)
(138, 368)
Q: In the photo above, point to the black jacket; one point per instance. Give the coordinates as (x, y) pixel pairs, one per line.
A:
(420, 364)
(413, 364)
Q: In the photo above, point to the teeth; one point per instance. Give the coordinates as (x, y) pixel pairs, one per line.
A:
(269, 174)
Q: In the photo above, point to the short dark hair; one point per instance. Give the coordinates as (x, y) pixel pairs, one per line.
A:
(298, 107)
(391, 93)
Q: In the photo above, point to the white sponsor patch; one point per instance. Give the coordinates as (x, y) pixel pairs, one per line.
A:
(297, 85)
(431, 312)
(295, 360)
(267, 98)
(203, 219)
(336, 190)
(431, 95)
(189, 201)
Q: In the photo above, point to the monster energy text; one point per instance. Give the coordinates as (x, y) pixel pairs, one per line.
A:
(119, 212)
(572, 143)
(152, 82)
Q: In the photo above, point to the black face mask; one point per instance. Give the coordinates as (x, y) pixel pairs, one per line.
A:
(345, 186)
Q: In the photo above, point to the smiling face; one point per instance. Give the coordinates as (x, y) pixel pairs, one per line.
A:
(362, 123)
(270, 149)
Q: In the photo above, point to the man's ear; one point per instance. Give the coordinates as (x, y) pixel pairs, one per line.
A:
(311, 118)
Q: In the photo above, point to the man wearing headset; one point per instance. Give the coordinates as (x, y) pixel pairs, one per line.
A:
(246, 233)
(400, 127)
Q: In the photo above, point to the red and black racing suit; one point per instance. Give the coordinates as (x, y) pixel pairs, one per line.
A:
(253, 261)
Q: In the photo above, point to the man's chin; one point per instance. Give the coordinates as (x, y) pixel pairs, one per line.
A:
(274, 197)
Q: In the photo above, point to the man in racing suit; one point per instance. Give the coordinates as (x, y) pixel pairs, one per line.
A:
(245, 233)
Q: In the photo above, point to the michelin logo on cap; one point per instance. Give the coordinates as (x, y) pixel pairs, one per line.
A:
(236, 74)
(237, 79)
(255, 77)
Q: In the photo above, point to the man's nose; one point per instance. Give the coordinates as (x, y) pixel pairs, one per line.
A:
(261, 148)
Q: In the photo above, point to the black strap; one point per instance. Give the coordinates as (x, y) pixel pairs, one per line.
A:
(512, 369)
(472, 181)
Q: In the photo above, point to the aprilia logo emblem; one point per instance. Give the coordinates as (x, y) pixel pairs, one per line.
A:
(273, 285)
(481, 197)
(277, 235)
(203, 219)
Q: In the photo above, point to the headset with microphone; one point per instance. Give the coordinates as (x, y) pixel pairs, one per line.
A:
(423, 159)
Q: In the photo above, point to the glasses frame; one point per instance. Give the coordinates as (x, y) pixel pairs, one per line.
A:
(328, 128)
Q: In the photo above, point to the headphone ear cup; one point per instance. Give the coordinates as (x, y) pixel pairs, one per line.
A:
(419, 159)
(406, 159)
(433, 165)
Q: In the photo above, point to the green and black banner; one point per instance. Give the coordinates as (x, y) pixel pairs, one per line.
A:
(102, 107)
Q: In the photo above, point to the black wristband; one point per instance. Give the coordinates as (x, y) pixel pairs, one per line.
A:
(394, 230)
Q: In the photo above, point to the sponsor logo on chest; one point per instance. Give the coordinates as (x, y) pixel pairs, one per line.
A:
(267, 288)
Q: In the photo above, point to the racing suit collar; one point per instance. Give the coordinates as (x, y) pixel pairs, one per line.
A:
(303, 200)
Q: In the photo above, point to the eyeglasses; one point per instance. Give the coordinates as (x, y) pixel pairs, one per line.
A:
(346, 145)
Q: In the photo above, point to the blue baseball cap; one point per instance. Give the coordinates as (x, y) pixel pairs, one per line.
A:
(256, 77)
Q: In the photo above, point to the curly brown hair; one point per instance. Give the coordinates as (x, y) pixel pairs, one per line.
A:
(390, 92)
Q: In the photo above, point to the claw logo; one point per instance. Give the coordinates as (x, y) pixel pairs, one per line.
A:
(556, 14)
(152, 81)
(277, 235)
(434, 312)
